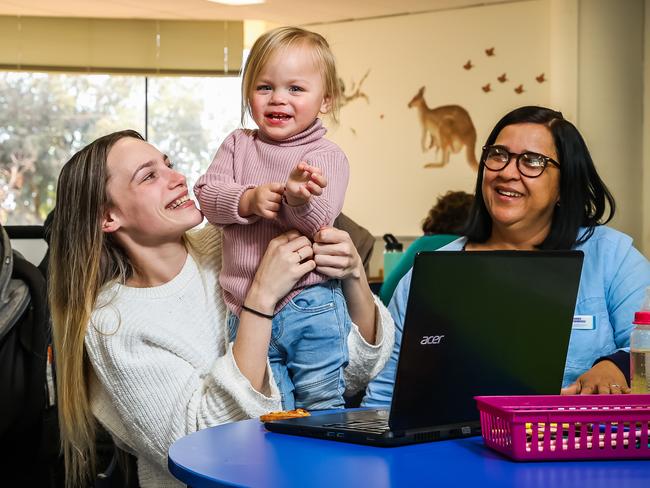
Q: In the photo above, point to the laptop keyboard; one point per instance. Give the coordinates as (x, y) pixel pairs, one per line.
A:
(375, 426)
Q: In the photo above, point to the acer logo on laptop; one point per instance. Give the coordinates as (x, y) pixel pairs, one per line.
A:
(434, 339)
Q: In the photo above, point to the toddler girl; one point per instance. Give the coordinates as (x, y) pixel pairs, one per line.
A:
(285, 175)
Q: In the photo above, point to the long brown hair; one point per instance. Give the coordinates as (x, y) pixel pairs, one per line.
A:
(83, 259)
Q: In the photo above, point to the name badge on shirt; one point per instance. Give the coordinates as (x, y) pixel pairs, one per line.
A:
(584, 322)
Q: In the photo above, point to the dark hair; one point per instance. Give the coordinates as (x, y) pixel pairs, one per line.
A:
(449, 214)
(583, 195)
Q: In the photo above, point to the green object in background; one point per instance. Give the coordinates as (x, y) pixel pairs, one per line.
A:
(391, 259)
(392, 252)
(404, 261)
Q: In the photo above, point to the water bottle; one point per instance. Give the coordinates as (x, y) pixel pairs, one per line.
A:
(640, 349)
(392, 253)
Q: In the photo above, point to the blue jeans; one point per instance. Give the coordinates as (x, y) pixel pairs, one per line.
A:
(308, 348)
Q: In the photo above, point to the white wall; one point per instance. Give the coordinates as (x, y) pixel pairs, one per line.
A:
(390, 190)
(645, 215)
(592, 52)
(610, 101)
(32, 249)
(563, 52)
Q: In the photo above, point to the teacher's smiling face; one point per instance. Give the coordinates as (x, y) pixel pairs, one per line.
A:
(517, 203)
(148, 200)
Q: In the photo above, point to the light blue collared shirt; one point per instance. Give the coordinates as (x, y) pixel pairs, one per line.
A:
(612, 287)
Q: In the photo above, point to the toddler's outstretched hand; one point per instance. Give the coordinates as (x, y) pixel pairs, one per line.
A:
(263, 200)
(303, 182)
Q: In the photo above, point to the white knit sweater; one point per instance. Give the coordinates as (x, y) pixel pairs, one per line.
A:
(163, 367)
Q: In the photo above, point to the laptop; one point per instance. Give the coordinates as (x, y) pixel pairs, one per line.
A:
(477, 323)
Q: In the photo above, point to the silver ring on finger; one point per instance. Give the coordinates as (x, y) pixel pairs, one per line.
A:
(299, 255)
(614, 385)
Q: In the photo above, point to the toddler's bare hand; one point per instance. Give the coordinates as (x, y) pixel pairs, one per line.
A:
(303, 182)
(263, 200)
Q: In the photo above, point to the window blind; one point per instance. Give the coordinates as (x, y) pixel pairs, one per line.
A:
(120, 45)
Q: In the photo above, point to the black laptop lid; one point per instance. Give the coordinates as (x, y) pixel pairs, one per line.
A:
(482, 323)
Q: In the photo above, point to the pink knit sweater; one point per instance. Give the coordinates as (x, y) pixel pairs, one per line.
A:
(247, 159)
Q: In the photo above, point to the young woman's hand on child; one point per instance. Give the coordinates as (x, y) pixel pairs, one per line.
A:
(263, 200)
(303, 182)
(288, 258)
(335, 254)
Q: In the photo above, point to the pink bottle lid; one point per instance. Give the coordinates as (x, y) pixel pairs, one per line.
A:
(642, 318)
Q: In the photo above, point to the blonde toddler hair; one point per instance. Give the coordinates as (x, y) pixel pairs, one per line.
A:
(281, 38)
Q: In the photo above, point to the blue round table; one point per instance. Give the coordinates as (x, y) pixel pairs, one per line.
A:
(245, 454)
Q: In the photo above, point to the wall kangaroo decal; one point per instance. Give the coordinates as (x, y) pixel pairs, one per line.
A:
(445, 129)
(355, 91)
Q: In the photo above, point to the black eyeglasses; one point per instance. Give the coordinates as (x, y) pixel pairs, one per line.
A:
(529, 164)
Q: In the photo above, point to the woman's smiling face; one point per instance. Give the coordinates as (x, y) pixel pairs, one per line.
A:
(149, 200)
(517, 203)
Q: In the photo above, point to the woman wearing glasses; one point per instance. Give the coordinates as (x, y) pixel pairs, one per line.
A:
(537, 188)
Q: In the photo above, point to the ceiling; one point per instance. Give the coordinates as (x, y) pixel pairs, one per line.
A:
(298, 12)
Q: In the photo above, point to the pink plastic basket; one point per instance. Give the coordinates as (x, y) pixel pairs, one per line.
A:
(555, 428)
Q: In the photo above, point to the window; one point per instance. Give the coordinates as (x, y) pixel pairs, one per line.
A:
(189, 117)
(45, 118)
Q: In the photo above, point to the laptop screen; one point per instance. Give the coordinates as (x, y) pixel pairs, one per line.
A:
(482, 323)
